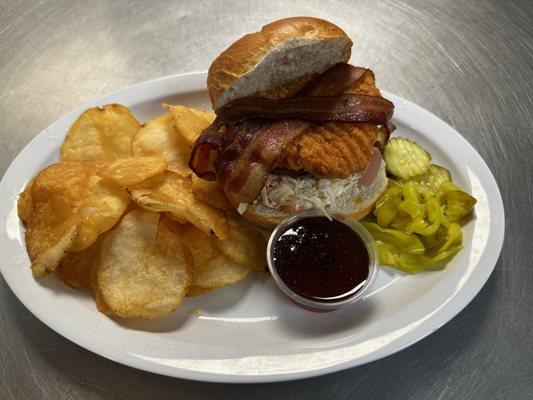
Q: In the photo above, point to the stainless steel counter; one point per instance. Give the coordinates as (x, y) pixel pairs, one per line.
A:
(469, 62)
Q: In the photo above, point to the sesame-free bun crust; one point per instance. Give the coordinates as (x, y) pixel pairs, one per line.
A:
(268, 218)
(282, 52)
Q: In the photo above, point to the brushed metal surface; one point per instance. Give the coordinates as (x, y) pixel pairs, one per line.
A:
(469, 62)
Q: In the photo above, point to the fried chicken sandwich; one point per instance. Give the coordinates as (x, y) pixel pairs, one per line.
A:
(297, 127)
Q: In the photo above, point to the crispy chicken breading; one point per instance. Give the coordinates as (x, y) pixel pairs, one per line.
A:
(335, 149)
(332, 150)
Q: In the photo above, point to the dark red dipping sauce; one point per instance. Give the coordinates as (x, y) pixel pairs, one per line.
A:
(321, 259)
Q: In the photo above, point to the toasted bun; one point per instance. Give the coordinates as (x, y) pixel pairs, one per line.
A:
(282, 57)
(268, 217)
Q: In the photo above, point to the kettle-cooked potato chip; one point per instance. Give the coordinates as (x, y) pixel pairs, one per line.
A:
(130, 171)
(245, 246)
(144, 271)
(190, 122)
(56, 194)
(198, 291)
(101, 134)
(75, 268)
(170, 192)
(102, 205)
(211, 269)
(46, 247)
(218, 272)
(158, 138)
(176, 219)
(101, 305)
(210, 192)
(25, 204)
(202, 247)
(71, 206)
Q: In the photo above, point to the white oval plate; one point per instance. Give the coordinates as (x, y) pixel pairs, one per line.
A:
(250, 332)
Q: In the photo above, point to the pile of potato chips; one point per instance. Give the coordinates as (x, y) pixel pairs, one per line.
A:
(122, 215)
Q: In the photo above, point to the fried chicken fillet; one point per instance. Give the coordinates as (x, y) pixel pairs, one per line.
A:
(336, 149)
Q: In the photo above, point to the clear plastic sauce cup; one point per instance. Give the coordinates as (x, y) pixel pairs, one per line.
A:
(311, 302)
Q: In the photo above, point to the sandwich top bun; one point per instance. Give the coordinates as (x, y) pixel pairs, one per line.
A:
(277, 61)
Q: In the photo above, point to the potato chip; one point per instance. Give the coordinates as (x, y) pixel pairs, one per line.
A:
(56, 195)
(245, 246)
(211, 269)
(198, 291)
(202, 247)
(25, 204)
(103, 204)
(48, 246)
(144, 270)
(75, 268)
(71, 206)
(158, 138)
(218, 272)
(101, 134)
(178, 220)
(210, 192)
(101, 305)
(170, 192)
(190, 122)
(130, 171)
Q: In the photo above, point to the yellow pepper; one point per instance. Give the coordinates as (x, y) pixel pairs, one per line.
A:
(411, 263)
(415, 225)
(404, 241)
(386, 208)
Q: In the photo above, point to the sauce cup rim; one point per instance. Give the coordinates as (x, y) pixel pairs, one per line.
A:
(306, 302)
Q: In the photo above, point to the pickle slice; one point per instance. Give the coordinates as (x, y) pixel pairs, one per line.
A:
(405, 158)
(433, 178)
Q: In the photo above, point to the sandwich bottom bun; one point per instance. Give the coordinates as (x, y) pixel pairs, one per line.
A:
(343, 199)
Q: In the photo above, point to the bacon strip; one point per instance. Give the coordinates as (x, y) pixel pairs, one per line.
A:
(334, 81)
(205, 151)
(243, 165)
(341, 108)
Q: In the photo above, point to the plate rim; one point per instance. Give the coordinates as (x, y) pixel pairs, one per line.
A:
(136, 362)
